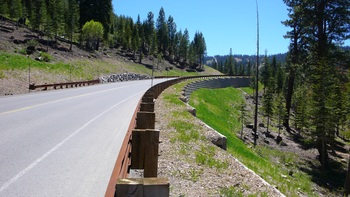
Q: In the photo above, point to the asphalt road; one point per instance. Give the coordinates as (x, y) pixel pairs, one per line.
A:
(64, 142)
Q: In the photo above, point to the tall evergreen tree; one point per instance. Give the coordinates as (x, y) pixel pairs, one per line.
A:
(162, 32)
(149, 29)
(172, 36)
(266, 74)
(267, 101)
(329, 23)
(15, 9)
(184, 46)
(55, 16)
(301, 101)
(280, 79)
(135, 40)
(71, 19)
(199, 47)
(230, 64)
(3, 9)
(249, 68)
(38, 14)
(297, 48)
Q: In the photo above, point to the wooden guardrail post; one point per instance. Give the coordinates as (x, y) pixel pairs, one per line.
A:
(144, 152)
(145, 120)
(146, 187)
(151, 153)
(149, 107)
(138, 148)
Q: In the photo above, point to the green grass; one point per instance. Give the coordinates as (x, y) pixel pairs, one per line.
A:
(80, 69)
(250, 90)
(205, 156)
(219, 109)
(186, 132)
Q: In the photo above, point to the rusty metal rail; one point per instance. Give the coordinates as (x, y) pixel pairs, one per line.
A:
(66, 85)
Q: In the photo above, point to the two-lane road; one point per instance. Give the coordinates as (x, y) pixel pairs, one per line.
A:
(65, 142)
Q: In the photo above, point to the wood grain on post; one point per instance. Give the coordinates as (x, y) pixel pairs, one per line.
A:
(129, 187)
(149, 107)
(142, 187)
(145, 120)
(138, 149)
(155, 187)
(151, 153)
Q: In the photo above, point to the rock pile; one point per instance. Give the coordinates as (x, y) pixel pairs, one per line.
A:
(123, 77)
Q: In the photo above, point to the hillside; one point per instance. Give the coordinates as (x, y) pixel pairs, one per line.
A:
(50, 61)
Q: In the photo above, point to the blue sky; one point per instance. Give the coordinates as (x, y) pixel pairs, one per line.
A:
(225, 24)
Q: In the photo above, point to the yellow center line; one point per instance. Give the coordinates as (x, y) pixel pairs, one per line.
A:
(56, 101)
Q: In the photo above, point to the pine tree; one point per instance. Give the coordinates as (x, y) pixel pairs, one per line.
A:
(199, 47)
(3, 9)
(297, 48)
(149, 30)
(15, 9)
(230, 64)
(71, 19)
(38, 14)
(135, 40)
(267, 101)
(329, 23)
(279, 112)
(221, 67)
(171, 35)
(280, 79)
(274, 66)
(162, 32)
(55, 16)
(141, 33)
(301, 101)
(249, 68)
(154, 44)
(266, 74)
(184, 46)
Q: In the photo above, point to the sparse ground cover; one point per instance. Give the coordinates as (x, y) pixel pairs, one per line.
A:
(194, 166)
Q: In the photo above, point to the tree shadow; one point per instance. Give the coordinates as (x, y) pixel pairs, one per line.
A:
(332, 179)
(149, 66)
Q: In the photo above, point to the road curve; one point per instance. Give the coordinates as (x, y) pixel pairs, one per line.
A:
(64, 142)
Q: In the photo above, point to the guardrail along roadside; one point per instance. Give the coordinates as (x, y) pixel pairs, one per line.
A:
(140, 147)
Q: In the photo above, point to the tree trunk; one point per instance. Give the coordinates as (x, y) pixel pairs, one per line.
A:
(268, 123)
(140, 57)
(291, 80)
(347, 181)
(322, 150)
(71, 41)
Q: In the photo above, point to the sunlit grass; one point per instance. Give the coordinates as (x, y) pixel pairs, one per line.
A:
(219, 109)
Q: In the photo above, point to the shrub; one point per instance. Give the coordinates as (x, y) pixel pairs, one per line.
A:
(45, 57)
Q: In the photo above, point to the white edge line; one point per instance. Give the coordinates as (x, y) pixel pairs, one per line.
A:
(36, 162)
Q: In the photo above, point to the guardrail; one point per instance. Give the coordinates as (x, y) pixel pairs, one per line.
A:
(62, 85)
(140, 142)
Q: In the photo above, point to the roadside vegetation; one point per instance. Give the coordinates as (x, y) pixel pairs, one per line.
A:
(195, 166)
(283, 168)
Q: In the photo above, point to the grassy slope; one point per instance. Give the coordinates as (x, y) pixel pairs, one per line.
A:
(85, 69)
(219, 109)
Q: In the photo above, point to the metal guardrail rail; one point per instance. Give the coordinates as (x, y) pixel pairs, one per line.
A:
(62, 85)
